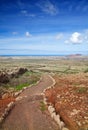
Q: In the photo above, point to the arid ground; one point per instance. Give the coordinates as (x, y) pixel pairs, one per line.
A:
(69, 96)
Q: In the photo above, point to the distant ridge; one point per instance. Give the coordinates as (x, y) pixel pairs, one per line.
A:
(75, 55)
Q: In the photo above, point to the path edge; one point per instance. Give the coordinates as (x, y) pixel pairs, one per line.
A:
(51, 109)
(11, 105)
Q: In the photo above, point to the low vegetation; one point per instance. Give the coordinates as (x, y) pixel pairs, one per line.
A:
(86, 70)
(82, 90)
(17, 79)
(42, 106)
(20, 86)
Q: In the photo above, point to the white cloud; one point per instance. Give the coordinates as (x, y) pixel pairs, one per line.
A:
(28, 34)
(48, 7)
(86, 35)
(14, 33)
(75, 38)
(26, 13)
(59, 36)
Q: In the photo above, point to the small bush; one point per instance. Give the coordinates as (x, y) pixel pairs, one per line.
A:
(21, 71)
(42, 106)
(81, 90)
(19, 87)
(86, 70)
(4, 78)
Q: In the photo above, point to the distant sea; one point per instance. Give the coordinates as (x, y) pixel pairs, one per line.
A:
(29, 55)
(42, 55)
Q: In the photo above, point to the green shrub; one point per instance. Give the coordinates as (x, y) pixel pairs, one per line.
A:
(20, 86)
(42, 106)
(81, 90)
(86, 70)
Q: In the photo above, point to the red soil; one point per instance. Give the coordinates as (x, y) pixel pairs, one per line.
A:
(70, 99)
(4, 103)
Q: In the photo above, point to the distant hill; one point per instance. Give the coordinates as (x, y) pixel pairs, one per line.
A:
(74, 55)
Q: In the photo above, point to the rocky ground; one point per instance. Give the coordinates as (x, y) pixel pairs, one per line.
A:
(70, 99)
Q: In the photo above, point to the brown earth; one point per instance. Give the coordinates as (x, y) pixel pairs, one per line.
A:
(27, 115)
(70, 99)
(4, 103)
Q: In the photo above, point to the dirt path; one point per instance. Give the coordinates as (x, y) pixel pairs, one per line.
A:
(26, 114)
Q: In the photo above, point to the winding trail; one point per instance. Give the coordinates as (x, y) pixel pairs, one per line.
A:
(26, 115)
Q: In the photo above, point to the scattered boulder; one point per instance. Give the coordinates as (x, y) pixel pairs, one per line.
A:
(64, 128)
(5, 95)
(51, 109)
(7, 110)
(22, 71)
(16, 94)
(13, 75)
(18, 98)
(4, 78)
(10, 105)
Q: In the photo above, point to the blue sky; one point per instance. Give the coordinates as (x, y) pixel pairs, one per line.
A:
(35, 27)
